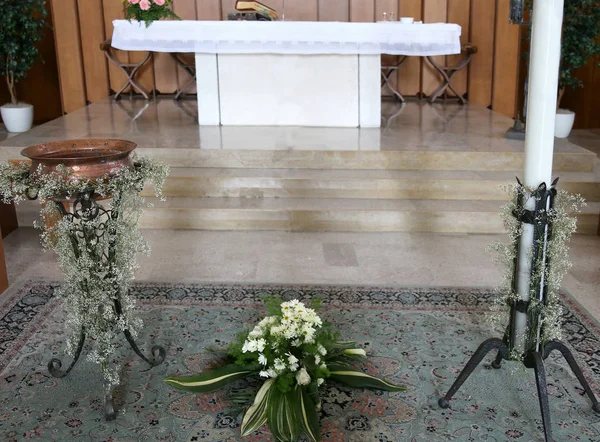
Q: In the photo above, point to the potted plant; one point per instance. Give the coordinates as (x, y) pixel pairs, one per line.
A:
(581, 29)
(22, 23)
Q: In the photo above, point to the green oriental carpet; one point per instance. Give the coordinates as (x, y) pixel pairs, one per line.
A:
(415, 336)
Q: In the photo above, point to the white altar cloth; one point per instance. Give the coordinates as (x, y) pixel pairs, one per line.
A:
(262, 37)
(288, 73)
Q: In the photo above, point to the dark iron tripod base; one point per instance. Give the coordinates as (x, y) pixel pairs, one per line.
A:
(533, 360)
(158, 356)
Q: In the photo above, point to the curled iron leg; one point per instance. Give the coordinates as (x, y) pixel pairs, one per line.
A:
(484, 349)
(158, 352)
(55, 365)
(557, 345)
(542, 387)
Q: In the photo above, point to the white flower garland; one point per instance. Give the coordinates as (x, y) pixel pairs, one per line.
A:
(97, 254)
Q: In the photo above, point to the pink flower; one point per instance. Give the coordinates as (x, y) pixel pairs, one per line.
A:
(159, 2)
(133, 2)
(144, 5)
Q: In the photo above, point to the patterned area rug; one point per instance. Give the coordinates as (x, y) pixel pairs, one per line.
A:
(418, 337)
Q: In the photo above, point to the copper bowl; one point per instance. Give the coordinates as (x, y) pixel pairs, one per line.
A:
(83, 159)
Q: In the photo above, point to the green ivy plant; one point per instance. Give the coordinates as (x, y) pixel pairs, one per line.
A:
(22, 23)
(580, 44)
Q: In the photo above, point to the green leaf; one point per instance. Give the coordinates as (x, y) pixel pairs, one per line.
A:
(358, 379)
(281, 415)
(256, 416)
(212, 380)
(308, 415)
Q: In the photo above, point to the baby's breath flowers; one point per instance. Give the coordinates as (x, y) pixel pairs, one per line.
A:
(294, 352)
(97, 251)
(550, 271)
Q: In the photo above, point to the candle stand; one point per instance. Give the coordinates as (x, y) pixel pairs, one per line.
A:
(536, 350)
(90, 230)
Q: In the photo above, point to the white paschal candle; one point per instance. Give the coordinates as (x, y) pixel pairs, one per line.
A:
(544, 64)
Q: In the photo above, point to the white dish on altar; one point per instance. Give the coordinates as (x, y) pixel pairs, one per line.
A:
(407, 20)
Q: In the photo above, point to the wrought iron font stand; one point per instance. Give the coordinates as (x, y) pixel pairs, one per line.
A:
(535, 350)
(86, 208)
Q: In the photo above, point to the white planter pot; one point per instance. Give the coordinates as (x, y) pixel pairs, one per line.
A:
(564, 123)
(17, 117)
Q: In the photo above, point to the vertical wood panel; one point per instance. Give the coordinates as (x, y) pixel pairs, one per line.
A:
(362, 10)
(506, 55)
(228, 6)
(458, 12)
(68, 52)
(334, 10)
(409, 75)
(91, 24)
(113, 11)
(434, 11)
(186, 10)
(483, 17)
(301, 10)
(208, 9)
(389, 7)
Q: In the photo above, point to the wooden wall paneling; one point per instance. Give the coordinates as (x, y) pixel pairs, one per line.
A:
(113, 10)
(186, 10)
(208, 10)
(409, 75)
(580, 100)
(459, 13)
(483, 19)
(334, 10)
(389, 7)
(68, 52)
(301, 10)
(362, 10)
(506, 64)
(593, 114)
(228, 6)
(434, 11)
(91, 25)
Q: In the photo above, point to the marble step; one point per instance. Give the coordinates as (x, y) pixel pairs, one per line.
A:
(344, 215)
(347, 215)
(367, 184)
(573, 159)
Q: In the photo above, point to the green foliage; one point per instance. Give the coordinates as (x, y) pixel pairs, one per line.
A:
(581, 28)
(156, 12)
(21, 26)
(212, 380)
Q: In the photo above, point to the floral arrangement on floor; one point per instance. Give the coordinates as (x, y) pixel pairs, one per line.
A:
(149, 10)
(550, 272)
(97, 245)
(296, 353)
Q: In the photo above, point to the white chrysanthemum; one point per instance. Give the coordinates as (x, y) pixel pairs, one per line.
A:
(262, 359)
(302, 377)
(320, 381)
(264, 374)
(260, 344)
(279, 365)
(321, 350)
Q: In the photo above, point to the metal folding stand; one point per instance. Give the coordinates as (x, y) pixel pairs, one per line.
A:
(447, 72)
(130, 69)
(535, 350)
(86, 208)
(189, 67)
(386, 72)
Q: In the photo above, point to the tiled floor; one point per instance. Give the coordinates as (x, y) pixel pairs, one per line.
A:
(409, 259)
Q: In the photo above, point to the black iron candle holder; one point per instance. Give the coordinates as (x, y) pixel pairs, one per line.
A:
(535, 351)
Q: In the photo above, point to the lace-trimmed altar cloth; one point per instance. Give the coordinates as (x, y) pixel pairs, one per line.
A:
(261, 37)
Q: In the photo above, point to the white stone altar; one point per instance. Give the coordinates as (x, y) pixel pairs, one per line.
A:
(288, 73)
